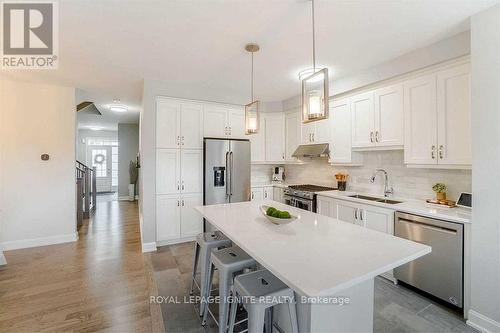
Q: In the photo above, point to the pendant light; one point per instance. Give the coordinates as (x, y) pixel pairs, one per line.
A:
(252, 112)
(315, 88)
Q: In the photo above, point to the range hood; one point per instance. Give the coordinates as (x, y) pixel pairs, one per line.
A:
(315, 150)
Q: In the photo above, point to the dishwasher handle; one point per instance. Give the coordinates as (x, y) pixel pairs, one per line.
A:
(429, 226)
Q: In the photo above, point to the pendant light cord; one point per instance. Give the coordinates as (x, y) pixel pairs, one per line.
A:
(313, 39)
(252, 79)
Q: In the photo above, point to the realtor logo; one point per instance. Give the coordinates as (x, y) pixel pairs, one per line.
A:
(29, 38)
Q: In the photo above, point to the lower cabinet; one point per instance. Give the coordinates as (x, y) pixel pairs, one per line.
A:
(257, 193)
(371, 217)
(175, 217)
(278, 194)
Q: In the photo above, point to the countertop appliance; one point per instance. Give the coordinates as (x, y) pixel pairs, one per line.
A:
(278, 174)
(439, 273)
(226, 171)
(303, 196)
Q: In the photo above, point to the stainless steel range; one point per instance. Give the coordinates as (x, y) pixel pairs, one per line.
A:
(303, 196)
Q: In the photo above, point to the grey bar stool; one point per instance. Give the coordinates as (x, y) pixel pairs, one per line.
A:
(258, 291)
(229, 261)
(205, 243)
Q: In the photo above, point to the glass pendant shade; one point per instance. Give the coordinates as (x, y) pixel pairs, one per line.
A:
(315, 96)
(252, 118)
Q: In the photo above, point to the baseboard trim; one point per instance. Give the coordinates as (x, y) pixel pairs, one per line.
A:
(125, 198)
(176, 241)
(3, 261)
(148, 247)
(42, 241)
(482, 323)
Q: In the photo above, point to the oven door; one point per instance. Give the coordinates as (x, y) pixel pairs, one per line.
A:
(299, 203)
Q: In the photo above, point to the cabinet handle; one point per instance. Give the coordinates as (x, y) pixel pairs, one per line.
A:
(433, 151)
(182, 202)
(356, 214)
(252, 195)
(178, 140)
(314, 139)
(178, 203)
(178, 186)
(183, 185)
(371, 136)
(265, 194)
(283, 156)
(376, 136)
(361, 214)
(441, 147)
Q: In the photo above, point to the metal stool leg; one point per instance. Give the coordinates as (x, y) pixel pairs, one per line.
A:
(224, 285)
(205, 262)
(256, 317)
(195, 265)
(210, 283)
(232, 315)
(293, 316)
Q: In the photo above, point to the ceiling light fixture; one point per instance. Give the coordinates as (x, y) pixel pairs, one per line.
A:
(118, 108)
(314, 87)
(252, 112)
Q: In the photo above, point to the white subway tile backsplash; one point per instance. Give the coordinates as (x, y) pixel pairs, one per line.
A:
(407, 182)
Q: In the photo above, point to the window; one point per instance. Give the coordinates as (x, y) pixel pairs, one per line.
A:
(100, 162)
(114, 166)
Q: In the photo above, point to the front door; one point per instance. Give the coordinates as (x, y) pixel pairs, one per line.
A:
(100, 159)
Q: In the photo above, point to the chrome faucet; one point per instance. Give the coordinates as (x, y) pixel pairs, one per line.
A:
(387, 190)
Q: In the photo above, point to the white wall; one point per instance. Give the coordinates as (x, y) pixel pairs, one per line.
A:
(485, 276)
(407, 182)
(128, 141)
(453, 47)
(37, 198)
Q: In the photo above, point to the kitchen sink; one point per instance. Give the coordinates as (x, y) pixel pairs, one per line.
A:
(366, 197)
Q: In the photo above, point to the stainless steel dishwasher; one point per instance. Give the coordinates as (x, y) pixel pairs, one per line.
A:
(439, 273)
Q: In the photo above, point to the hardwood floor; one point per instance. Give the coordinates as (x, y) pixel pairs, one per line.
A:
(101, 282)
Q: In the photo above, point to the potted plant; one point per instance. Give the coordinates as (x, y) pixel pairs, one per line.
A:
(133, 174)
(440, 190)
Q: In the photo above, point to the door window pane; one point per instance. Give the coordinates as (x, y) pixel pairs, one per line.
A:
(100, 162)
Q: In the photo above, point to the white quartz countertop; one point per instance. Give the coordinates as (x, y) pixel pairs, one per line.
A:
(417, 207)
(315, 255)
(265, 184)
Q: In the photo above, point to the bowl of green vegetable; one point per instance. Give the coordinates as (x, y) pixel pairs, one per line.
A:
(277, 216)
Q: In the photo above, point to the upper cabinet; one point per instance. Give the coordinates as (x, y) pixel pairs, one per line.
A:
(292, 134)
(274, 133)
(340, 146)
(178, 124)
(437, 118)
(316, 132)
(377, 118)
(221, 121)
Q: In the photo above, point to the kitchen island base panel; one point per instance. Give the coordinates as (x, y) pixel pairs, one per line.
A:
(356, 316)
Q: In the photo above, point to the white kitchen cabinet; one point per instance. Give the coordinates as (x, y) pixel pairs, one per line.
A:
(168, 173)
(324, 206)
(191, 124)
(454, 116)
(258, 144)
(389, 124)
(378, 219)
(363, 119)
(191, 223)
(437, 119)
(168, 216)
(236, 123)
(377, 118)
(278, 194)
(345, 211)
(191, 170)
(222, 121)
(420, 120)
(341, 129)
(268, 193)
(274, 127)
(176, 217)
(257, 193)
(168, 114)
(215, 121)
(292, 134)
(178, 124)
(316, 132)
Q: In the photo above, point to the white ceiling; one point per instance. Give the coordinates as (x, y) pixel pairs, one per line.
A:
(108, 47)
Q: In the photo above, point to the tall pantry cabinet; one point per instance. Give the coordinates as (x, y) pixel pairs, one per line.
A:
(179, 159)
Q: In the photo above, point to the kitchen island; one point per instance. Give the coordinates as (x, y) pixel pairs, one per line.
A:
(330, 264)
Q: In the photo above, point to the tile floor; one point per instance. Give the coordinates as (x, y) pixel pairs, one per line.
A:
(397, 309)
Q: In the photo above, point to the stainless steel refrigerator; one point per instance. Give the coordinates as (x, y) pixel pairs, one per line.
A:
(226, 176)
